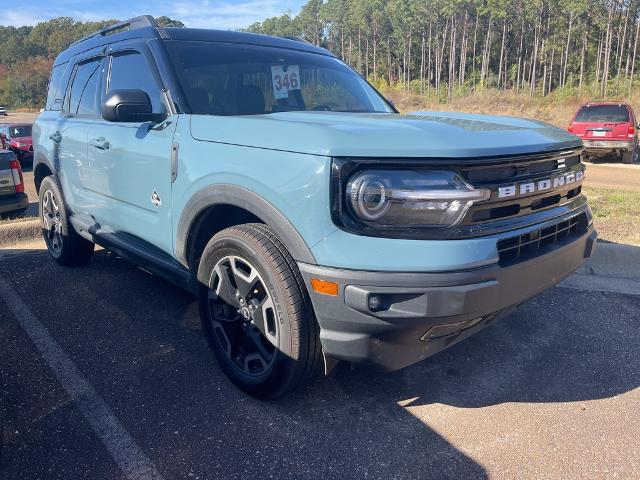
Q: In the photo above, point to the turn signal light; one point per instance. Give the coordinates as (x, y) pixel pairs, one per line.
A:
(324, 287)
(632, 130)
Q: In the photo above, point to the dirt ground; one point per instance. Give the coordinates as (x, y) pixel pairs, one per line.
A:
(19, 117)
(613, 175)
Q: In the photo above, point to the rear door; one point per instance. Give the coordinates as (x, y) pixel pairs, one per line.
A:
(131, 162)
(79, 112)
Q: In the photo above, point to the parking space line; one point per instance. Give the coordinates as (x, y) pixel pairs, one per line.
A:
(126, 453)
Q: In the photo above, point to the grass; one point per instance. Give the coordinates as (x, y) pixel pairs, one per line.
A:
(7, 218)
(616, 214)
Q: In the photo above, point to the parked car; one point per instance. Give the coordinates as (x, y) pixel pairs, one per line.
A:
(314, 223)
(13, 198)
(3, 110)
(607, 128)
(17, 138)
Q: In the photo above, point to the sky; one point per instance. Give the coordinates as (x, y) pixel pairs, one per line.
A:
(224, 15)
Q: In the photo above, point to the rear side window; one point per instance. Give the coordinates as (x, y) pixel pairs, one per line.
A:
(82, 97)
(130, 71)
(603, 113)
(56, 90)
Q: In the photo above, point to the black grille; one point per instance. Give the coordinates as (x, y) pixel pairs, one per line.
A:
(516, 168)
(537, 242)
(517, 171)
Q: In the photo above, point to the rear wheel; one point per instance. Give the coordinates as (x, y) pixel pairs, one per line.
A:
(256, 312)
(63, 243)
(630, 156)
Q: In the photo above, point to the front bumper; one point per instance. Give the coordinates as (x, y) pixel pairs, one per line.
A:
(425, 313)
(13, 202)
(604, 146)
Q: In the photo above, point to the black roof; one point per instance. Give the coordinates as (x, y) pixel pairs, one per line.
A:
(145, 27)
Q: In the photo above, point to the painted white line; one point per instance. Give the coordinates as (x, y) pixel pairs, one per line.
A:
(127, 454)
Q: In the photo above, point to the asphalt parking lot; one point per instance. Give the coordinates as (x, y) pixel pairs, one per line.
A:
(120, 383)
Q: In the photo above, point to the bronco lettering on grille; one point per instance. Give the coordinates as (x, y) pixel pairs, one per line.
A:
(540, 185)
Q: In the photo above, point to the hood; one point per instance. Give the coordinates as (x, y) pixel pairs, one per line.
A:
(26, 140)
(420, 134)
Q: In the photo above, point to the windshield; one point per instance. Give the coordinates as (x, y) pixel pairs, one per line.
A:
(21, 131)
(603, 113)
(238, 79)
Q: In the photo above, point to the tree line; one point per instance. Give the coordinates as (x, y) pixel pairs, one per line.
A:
(444, 48)
(440, 48)
(27, 53)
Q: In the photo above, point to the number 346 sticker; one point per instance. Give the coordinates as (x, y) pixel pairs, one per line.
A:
(284, 78)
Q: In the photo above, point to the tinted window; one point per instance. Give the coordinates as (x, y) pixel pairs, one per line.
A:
(603, 113)
(82, 97)
(228, 79)
(56, 89)
(130, 71)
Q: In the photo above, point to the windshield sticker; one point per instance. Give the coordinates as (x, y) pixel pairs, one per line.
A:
(284, 78)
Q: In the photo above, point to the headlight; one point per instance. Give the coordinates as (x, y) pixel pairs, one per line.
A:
(410, 198)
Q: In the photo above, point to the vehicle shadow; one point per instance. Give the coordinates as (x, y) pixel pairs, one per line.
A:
(559, 347)
(607, 159)
(555, 348)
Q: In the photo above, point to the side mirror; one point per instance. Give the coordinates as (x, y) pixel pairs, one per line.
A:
(128, 106)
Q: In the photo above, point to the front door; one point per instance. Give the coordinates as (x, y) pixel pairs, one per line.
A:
(131, 162)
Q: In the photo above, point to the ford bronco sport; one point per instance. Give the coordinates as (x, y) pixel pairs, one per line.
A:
(313, 222)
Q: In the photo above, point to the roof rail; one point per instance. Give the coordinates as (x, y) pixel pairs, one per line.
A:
(131, 24)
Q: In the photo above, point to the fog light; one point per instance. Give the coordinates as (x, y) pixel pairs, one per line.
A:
(375, 303)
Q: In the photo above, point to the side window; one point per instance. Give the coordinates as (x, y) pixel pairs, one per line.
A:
(82, 96)
(130, 71)
(56, 89)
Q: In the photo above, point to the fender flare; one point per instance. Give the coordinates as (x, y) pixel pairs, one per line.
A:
(228, 194)
(41, 159)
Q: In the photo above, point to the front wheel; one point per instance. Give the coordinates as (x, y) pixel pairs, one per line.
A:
(256, 312)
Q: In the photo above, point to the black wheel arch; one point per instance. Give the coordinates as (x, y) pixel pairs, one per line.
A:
(41, 169)
(217, 207)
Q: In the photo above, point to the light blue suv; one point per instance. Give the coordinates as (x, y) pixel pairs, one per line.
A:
(314, 223)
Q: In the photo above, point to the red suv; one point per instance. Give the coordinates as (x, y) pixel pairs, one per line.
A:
(607, 128)
(17, 138)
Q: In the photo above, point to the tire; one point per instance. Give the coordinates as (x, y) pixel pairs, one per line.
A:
(63, 243)
(267, 340)
(630, 157)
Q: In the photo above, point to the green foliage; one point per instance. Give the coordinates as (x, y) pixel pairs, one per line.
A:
(27, 53)
(534, 47)
(165, 21)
